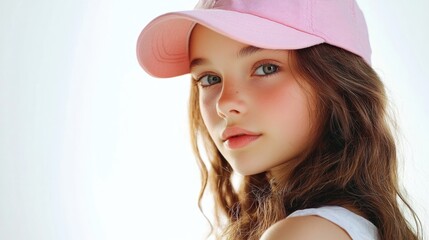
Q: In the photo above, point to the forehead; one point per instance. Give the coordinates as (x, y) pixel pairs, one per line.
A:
(202, 39)
(207, 44)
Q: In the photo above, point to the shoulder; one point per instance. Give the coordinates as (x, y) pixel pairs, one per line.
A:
(305, 228)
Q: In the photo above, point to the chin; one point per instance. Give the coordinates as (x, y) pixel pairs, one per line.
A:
(247, 171)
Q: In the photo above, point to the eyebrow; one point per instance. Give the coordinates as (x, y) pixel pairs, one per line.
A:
(196, 62)
(249, 50)
(244, 52)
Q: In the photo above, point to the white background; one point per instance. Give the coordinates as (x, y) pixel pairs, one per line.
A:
(91, 147)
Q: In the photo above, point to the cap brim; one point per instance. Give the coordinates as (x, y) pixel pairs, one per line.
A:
(162, 47)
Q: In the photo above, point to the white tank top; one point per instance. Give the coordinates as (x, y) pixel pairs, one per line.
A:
(356, 226)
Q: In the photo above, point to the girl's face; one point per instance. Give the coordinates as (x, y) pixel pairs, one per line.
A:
(255, 111)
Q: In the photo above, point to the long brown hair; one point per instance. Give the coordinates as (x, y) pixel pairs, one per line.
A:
(351, 163)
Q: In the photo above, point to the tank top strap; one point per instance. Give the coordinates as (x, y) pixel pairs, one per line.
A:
(356, 226)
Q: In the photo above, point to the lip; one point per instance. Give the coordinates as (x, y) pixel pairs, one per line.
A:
(236, 137)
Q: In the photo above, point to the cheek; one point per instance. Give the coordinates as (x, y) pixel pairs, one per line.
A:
(289, 110)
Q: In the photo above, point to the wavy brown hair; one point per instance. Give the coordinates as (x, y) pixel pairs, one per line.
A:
(351, 163)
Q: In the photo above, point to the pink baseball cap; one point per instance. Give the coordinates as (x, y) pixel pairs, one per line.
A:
(163, 45)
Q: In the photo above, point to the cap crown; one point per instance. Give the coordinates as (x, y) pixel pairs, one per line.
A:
(338, 22)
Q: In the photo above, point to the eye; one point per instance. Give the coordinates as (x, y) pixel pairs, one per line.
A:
(266, 69)
(209, 80)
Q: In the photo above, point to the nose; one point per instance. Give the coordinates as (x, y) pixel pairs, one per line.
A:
(231, 101)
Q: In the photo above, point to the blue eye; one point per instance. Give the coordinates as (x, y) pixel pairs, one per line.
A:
(209, 80)
(266, 69)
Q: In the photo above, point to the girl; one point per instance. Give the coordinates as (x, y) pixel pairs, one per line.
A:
(283, 95)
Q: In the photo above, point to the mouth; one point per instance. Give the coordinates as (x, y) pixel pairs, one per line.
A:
(235, 137)
(240, 141)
